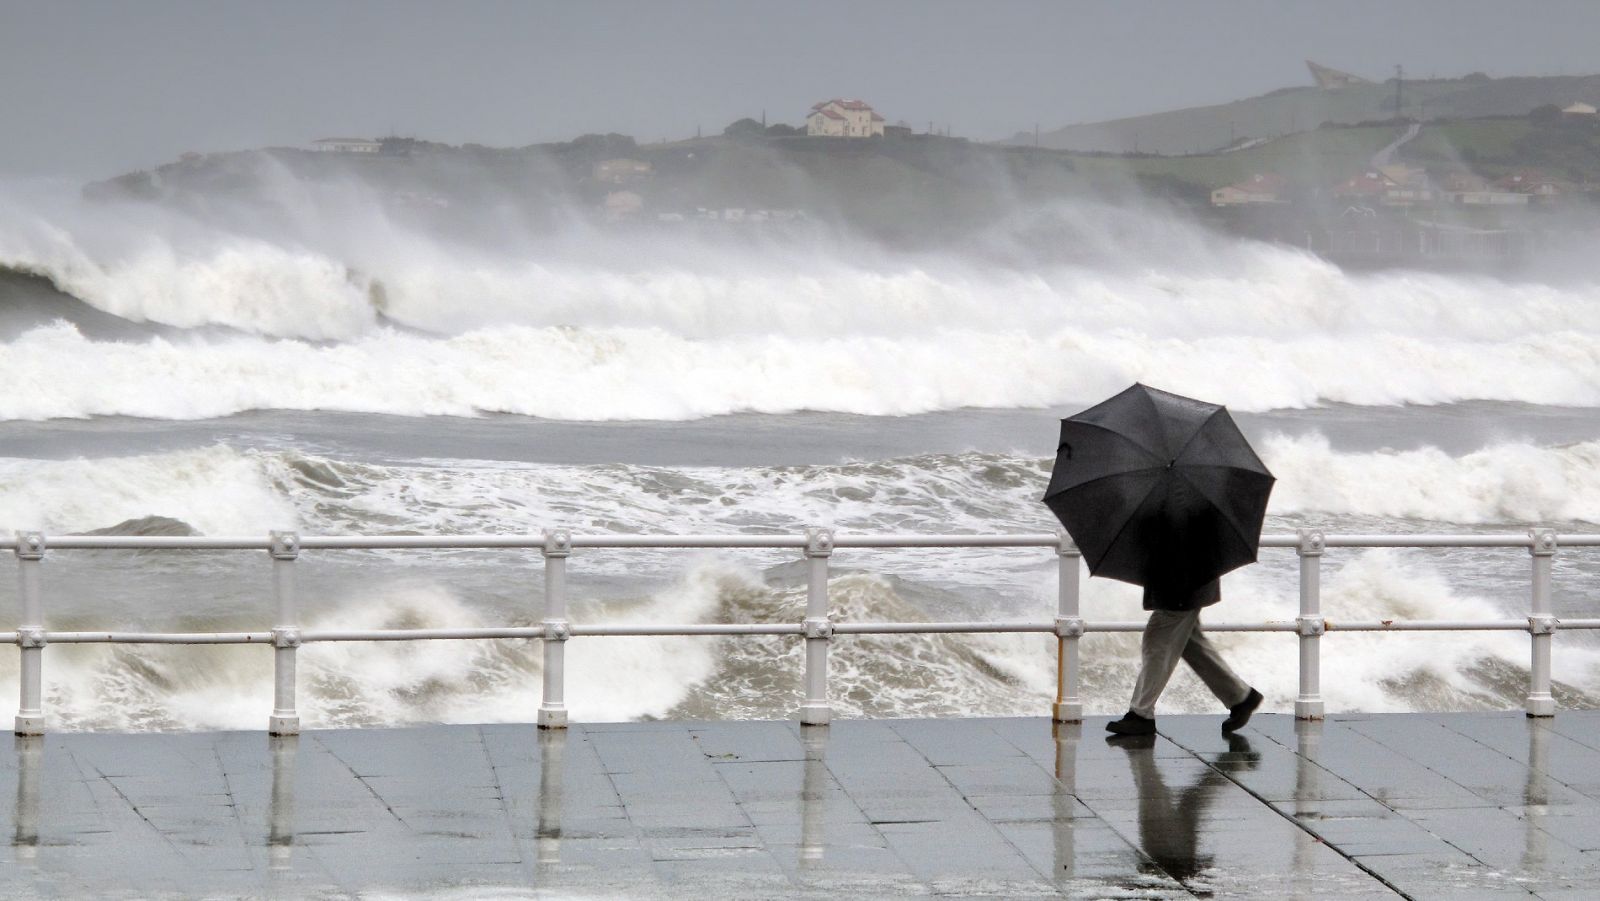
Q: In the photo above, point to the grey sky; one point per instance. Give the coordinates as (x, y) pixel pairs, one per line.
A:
(93, 88)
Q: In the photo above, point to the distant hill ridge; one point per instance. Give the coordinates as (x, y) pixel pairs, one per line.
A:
(1206, 129)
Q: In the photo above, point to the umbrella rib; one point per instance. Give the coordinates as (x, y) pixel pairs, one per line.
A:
(1124, 527)
(1220, 411)
(1196, 434)
(1110, 431)
(1238, 530)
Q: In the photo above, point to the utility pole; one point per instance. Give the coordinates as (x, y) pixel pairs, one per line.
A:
(1399, 80)
(1036, 134)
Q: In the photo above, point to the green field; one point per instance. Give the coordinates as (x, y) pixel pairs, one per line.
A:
(1568, 150)
(1326, 155)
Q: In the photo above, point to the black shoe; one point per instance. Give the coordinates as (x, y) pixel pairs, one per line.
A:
(1132, 724)
(1239, 714)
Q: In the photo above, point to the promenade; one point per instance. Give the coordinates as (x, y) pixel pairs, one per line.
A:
(1414, 805)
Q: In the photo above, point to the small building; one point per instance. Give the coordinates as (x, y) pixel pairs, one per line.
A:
(1258, 188)
(1578, 109)
(621, 171)
(622, 205)
(1408, 185)
(844, 119)
(1366, 186)
(346, 145)
(1471, 189)
(1398, 186)
(1333, 79)
(1533, 184)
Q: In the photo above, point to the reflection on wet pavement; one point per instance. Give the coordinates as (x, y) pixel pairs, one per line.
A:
(1358, 806)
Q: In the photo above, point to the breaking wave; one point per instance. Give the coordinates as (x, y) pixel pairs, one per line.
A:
(219, 490)
(350, 309)
(129, 687)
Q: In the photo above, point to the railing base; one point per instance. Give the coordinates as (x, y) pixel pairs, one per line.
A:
(552, 718)
(1541, 706)
(30, 724)
(1067, 713)
(815, 714)
(1308, 710)
(283, 725)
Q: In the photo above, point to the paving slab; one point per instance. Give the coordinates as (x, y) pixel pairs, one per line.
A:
(1359, 806)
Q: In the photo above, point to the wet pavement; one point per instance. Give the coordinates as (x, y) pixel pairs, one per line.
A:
(1414, 805)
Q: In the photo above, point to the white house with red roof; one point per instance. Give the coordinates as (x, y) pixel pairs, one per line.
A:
(844, 119)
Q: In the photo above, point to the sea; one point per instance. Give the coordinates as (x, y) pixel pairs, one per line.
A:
(326, 359)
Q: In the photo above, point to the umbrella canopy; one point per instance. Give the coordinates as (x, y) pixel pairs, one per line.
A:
(1159, 490)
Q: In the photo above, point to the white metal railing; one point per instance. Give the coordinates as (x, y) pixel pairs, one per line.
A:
(816, 629)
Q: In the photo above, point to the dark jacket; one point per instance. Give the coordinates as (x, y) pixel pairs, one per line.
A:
(1160, 598)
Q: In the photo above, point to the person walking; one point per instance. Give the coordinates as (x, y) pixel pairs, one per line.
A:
(1163, 491)
(1172, 634)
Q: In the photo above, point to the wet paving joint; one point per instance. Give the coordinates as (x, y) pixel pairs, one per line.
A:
(1400, 805)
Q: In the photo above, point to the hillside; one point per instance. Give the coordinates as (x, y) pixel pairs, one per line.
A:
(1566, 150)
(1290, 110)
(908, 190)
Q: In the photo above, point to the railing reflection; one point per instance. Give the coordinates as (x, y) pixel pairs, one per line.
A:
(1064, 800)
(280, 809)
(547, 834)
(813, 796)
(30, 760)
(1536, 797)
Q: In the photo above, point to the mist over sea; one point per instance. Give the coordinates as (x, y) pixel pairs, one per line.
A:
(334, 361)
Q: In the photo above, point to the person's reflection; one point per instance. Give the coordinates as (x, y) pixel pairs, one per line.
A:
(1169, 825)
(30, 757)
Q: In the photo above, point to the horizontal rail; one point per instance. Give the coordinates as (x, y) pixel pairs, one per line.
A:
(713, 629)
(817, 629)
(937, 628)
(783, 541)
(319, 635)
(643, 629)
(158, 637)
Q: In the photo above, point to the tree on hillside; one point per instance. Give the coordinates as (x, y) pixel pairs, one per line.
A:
(1546, 114)
(780, 130)
(745, 128)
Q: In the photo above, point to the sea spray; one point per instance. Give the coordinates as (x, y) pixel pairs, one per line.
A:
(221, 490)
(355, 684)
(339, 305)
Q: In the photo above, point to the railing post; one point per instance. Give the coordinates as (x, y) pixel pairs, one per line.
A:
(1069, 628)
(553, 709)
(285, 718)
(1541, 623)
(1310, 625)
(30, 634)
(818, 628)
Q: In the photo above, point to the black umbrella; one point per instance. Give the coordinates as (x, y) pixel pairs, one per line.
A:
(1158, 489)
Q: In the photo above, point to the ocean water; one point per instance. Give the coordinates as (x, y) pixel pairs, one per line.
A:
(334, 368)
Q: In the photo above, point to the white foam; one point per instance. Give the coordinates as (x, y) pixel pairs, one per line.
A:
(133, 687)
(216, 490)
(1362, 671)
(598, 326)
(1511, 482)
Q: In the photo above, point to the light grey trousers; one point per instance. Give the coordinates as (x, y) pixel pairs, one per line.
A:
(1173, 635)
